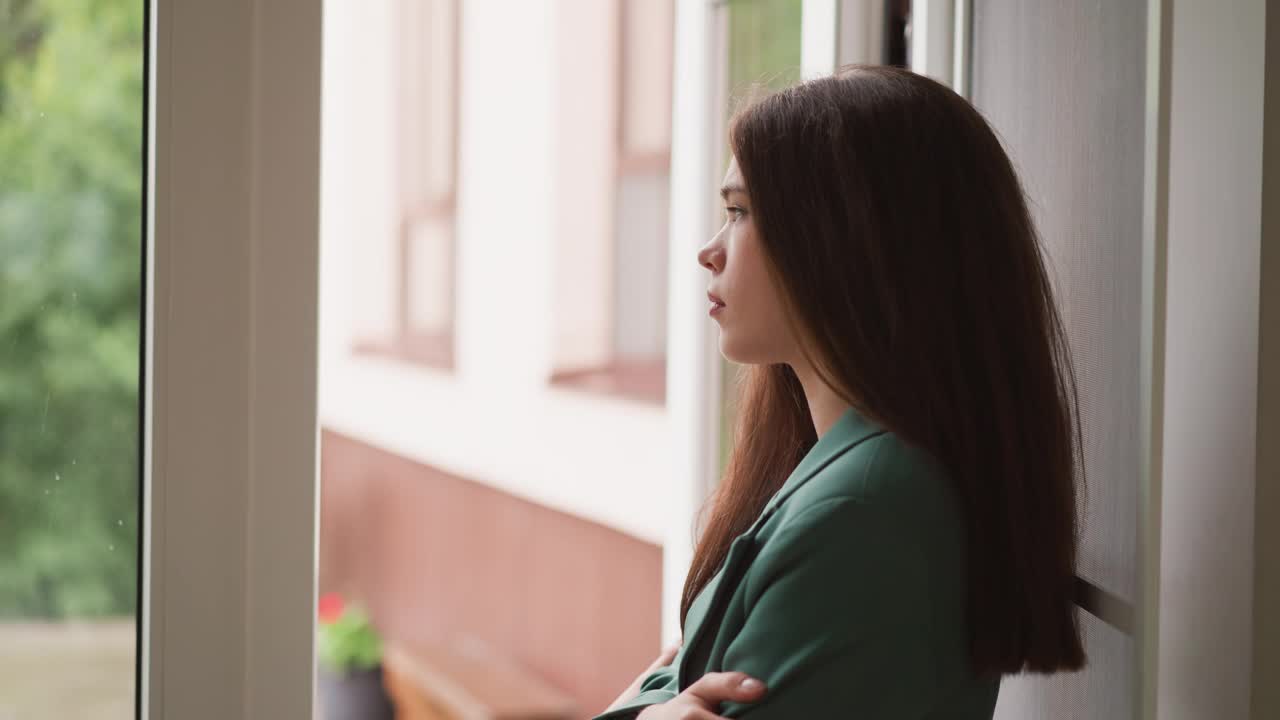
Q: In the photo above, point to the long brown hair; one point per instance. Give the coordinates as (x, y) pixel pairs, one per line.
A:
(897, 230)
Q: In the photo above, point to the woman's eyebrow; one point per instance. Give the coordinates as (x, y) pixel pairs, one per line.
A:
(724, 191)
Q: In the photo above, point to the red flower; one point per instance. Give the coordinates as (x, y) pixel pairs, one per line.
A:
(331, 607)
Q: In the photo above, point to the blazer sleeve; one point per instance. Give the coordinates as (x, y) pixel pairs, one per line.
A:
(836, 622)
(659, 687)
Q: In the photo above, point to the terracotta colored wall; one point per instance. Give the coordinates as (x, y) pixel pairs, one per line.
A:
(437, 557)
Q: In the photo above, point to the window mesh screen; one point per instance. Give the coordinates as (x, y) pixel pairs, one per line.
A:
(1101, 692)
(1063, 84)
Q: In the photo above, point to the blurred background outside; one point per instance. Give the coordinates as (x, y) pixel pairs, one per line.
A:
(71, 118)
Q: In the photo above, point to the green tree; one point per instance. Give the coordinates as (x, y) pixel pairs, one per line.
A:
(764, 44)
(71, 113)
(763, 55)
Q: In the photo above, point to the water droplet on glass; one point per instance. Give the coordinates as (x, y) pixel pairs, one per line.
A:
(57, 476)
(73, 462)
(120, 523)
(112, 548)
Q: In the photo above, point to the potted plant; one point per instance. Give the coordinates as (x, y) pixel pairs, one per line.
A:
(350, 654)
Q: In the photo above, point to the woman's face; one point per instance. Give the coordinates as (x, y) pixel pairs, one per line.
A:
(743, 299)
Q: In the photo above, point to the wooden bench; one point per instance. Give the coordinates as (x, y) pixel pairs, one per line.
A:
(467, 681)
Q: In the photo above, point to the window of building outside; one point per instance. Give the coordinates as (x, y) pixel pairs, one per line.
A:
(418, 318)
(611, 299)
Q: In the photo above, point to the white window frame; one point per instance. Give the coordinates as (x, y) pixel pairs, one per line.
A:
(840, 32)
(229, 468)
(1212, 643)
(693, 354)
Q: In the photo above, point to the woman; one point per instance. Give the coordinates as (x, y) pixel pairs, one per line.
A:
(896, 527)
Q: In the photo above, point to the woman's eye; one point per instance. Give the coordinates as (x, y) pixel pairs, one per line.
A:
(733, 212)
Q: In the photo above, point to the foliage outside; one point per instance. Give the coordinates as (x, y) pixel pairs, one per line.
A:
(764, 55)
(71, 110)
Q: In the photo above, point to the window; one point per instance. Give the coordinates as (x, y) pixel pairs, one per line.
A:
(612, 256)
(414, 319)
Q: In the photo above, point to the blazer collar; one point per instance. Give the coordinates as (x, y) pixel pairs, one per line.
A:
(849, 430)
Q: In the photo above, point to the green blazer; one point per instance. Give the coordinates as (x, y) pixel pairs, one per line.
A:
(846, 597)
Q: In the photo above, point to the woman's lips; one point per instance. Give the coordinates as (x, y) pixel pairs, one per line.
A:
(716, 304)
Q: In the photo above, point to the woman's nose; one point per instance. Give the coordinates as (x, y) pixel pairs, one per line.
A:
(711, 256)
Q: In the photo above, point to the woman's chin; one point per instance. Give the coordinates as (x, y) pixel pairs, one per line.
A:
(727, 349)
(751, 351)
(736, 352)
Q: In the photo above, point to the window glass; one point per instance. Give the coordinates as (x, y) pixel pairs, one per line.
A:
(71, 178)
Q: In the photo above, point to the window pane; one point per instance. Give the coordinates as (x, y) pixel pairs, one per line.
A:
(429, 277)
(71, 114)
(1073, 123)
(763, 48)
(764, 43)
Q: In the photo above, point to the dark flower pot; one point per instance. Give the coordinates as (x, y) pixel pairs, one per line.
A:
(353, 695)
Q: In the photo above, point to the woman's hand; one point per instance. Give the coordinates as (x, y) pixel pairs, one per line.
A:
(634, 688)
(701, 700)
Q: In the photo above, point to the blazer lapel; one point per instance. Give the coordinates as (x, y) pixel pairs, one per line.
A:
(847, 432)
(851, 429)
